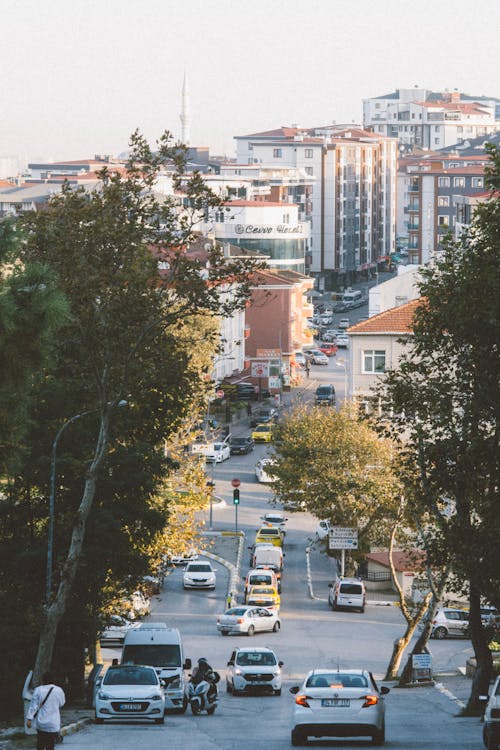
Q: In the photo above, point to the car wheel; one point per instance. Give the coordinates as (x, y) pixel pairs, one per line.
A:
(378, 737)
(276, 627)
(334, 606)
(251, 630)
(195, 708)
(224, 632)
(440, 633)
(229, 687)
(277, 692)
(211, 710)
(297, 738)
(98, 720)
(362, 610)
(160, 721)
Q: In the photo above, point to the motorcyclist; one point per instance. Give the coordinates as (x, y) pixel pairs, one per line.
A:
(205, 672)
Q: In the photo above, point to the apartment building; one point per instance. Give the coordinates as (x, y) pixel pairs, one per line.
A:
(352, 204)
(418, 117)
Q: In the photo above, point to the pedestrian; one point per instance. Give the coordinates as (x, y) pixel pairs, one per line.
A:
(308, 367)
(249, 409)
(44, 710)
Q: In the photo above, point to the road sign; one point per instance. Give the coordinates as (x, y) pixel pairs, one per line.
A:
(421, 661)
(235, 482)
(260, 369)
(236, 497)
(343, 537)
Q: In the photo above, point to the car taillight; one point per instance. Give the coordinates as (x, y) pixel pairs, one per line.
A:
(301, 700)
(370, 700)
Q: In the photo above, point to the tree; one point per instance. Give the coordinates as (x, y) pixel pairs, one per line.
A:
(444, 402)
(335, 466)
(126, 315)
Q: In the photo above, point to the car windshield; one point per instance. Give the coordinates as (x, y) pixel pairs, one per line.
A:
(155, 654)
(258, 580)
(323, 389)
(218, 446)
(199, 568)
(238, 441)
(269, 532)
(263, 428)
(255, 659)
(332, 679)
(130, 676)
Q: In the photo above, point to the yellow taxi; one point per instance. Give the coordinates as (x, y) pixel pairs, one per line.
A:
(264, 596)
(269, 535)
(263, 433)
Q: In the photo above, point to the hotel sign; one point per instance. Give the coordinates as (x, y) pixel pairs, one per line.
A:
(267, 229)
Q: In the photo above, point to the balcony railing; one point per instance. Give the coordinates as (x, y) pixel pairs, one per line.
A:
(412, 207)
(413, 227)
(413, 187)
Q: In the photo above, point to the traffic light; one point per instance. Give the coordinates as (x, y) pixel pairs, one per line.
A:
(236, 497)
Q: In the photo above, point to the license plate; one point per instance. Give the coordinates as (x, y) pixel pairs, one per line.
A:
(335, 702)
(130, 707)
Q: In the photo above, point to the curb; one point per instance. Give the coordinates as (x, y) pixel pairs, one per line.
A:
(233, 569)
(75, 726)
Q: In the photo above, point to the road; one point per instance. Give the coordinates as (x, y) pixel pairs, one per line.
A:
(311, 635)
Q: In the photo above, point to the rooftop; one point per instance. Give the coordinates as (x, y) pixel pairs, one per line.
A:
(396, 320)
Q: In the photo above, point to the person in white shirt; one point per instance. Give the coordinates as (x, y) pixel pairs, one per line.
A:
(44, 709)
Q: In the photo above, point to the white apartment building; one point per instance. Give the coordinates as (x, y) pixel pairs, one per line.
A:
(431, 120)
(353, 196)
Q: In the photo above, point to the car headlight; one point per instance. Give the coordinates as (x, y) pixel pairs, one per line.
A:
(276, 674)
(237, 671)
(175, 683)
(156, 697)
(103, 696)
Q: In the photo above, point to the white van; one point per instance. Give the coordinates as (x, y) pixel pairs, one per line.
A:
(260, 577)
(349, 593)
(351, 296)
(156, 645)
(267, 556)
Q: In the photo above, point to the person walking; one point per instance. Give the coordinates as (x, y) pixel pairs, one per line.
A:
(44, 710)
(249, 409)
(307, 368)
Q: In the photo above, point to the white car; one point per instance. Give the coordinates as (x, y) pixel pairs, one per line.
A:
(322, 529)
(213, 452)
(130, 692)
(342, 340)
(183, 558)
(116, 630)
(136, 606)
(253, 669)
(338, 703)
(344, 323)
(300, 359)
(260, 470)
(276, 519)
(199, 575)
(249, 620)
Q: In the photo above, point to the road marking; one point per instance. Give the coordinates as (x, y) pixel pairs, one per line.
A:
(439, 686)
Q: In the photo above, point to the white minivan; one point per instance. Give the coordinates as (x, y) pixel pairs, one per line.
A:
(348, 593)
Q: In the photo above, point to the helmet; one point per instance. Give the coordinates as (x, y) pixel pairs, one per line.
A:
(202, 660)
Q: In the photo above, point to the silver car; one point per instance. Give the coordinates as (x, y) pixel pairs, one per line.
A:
(345, 703)
(248, 620)
(450, 622)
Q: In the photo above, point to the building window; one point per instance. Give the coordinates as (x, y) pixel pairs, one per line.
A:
(443, 182)
(443, 200)
(477, 182)
(443, 221)
(459, 182)
(436, 141)
(373, 361)
(309, 170)
(308, 153)
(277, 153)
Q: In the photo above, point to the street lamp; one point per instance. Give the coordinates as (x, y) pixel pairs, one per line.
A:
(52, 491)
(342, 363)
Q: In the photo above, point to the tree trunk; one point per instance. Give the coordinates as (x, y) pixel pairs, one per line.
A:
(420, 645)
(398, 650)
(484, 659)
(57, 608)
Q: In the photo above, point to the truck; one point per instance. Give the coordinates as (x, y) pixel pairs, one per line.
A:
(156, 645)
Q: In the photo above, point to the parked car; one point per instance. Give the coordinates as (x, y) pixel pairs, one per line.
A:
(300, 359)
(345, 703)
(450, 622)
(130, 692)
(116, 629)
(136, 606)
(263, 433)
(184, 557)
(329, 349)
(491, 729)
(347, 593)
(253, 669)
(261, 470)
(316, 357)
(342, 340)
(248, 620)
(199, 575)
(490, 616)
(241, 445)
(213, 452)
(322, 529)
(262, 416)
(344, 323)
(325, 394)
(331, 334)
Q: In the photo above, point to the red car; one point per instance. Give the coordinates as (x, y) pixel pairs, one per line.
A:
(328, 349)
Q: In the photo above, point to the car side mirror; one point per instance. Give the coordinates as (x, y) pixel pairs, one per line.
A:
(294, 690)
(230, 663)
(187, 664)
(281, 663)
(384, 690)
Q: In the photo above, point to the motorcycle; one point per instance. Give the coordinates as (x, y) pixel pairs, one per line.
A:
(204, 695)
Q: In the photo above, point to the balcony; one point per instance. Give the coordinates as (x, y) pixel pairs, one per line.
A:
(413, 187)
(413, 227)
(443, 229)
(412, 207)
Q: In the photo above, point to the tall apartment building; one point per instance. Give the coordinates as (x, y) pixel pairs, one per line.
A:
(432, 120)
(352, 203)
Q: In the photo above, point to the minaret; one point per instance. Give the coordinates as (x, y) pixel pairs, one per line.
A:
(185, 115)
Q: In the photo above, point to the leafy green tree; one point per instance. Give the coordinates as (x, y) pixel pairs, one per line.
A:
(444, 402)
(336, 467)
(124, 339)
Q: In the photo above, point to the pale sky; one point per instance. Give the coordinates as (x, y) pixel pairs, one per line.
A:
(78, 76)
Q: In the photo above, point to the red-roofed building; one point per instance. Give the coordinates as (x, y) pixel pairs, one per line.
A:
(376, 345)
(407, 565)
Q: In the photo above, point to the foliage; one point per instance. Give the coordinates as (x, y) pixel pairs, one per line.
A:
(335, 466)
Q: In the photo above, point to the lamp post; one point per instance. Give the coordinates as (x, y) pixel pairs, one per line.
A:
(52, 491)
(342, 363)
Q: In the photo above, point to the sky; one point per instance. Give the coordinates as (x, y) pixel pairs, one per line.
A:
(77, 77)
